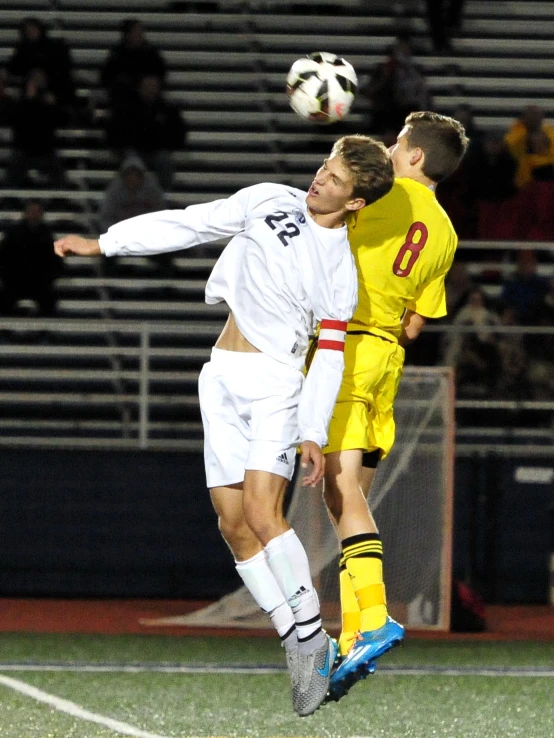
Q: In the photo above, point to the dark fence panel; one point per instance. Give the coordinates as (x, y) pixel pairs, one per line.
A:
(140, 524)
(107, 524)
(502, 526)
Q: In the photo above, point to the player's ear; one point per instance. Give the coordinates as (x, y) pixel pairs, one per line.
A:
(356, 204)
(416, 156)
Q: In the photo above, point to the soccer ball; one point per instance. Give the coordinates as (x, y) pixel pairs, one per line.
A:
(321, 87)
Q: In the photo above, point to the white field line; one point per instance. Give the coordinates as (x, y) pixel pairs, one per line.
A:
(139, 668)
(144, 668)
(70, 708)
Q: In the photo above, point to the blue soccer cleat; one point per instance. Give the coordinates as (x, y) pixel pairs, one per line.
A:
(360, 661)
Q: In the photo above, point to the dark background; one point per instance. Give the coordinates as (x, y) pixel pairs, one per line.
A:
(140, 524)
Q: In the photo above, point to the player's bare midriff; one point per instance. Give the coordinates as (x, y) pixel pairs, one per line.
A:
(231, 339)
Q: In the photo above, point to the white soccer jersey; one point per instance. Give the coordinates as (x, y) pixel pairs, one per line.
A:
(280, 274)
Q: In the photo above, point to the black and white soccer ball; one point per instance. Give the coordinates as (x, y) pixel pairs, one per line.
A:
(321, 87)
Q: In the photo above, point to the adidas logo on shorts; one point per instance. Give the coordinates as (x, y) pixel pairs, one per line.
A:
(283, 458)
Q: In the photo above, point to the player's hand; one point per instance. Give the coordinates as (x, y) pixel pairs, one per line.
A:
(77, 245)
(312, 454)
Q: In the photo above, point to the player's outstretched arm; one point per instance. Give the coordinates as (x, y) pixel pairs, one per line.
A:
(312, 454)
(77, 245)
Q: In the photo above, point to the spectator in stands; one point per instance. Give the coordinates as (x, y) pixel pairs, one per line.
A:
(28, 264)
(474, 355)
(493, 189)
(531, 143)
(494, 170)
(531, 298)
(149, 126)
(132, 59)
(35, 50)
(444, 18)
(7, 101)
(396, 88)
(541, 348)
(134, 191)
(545, 313)
(459, 286)
(513, 377)
(34, 118)
(526, 290)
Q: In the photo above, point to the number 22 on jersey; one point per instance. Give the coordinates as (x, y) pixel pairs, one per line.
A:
(285, 231)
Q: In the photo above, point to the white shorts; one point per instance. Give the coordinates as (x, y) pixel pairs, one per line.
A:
(249, 405)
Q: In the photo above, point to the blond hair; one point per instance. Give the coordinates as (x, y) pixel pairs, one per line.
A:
(369, 165)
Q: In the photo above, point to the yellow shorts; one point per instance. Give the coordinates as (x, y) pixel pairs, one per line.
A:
(363, 416)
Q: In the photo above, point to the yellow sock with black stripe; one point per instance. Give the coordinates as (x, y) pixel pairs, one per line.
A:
(350, 610)
(363, 556)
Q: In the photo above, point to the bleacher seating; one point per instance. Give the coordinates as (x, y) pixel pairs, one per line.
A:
(82, 377)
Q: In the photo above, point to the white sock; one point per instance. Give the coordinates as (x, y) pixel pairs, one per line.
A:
(262, 585)
(288, 561)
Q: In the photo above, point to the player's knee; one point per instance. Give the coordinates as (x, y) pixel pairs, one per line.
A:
(263, 526)
(237, 534)
(265, 521)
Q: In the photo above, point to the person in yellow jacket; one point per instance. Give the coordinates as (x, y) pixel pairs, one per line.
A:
(531, 142)
(403, 246)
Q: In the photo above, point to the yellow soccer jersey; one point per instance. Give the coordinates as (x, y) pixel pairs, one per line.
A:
(403, 246)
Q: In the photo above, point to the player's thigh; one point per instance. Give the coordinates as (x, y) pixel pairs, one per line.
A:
(382, 431)
(226, 426)
(364, 367)
(274, 423)
(227, 503)
(349, 427)
(249, 405)
(372, 371)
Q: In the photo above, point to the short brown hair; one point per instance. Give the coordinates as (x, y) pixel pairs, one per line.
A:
(369, 164)
(442, 139)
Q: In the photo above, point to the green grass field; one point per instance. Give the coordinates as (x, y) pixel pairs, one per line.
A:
(76, 686)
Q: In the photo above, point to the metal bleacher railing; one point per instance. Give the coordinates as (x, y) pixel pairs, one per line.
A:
(94, 384)
(126, 385)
